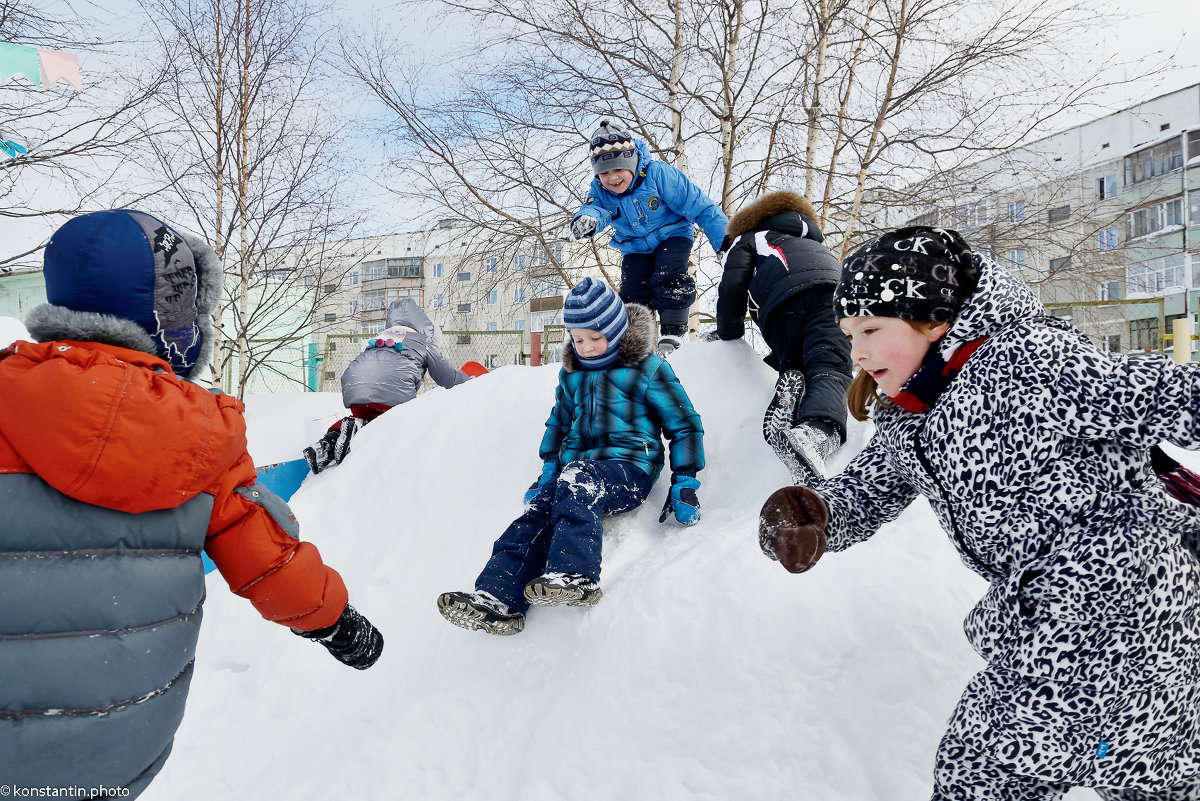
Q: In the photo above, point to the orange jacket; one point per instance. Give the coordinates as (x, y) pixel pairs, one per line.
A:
(116, 428)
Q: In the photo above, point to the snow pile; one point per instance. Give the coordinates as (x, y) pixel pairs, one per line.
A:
(11, 329)
(705, 672)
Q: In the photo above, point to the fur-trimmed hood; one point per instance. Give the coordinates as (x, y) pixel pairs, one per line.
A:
(48, 322)
(766, 206)
(637, 344)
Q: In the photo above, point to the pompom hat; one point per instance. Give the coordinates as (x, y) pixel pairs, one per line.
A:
(612, 148)
(913, 273)
(592, 305)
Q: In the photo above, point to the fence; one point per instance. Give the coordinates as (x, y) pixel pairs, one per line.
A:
(289, 367)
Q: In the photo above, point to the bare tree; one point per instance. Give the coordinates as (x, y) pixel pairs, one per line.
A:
(80, 143)
(250, 116)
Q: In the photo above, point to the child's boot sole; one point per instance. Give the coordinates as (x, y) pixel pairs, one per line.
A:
(540, 594)
(464, 615)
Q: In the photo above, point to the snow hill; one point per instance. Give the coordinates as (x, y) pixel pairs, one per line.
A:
(706, 672)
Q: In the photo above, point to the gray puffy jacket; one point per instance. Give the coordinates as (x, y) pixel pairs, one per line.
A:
(390, 377)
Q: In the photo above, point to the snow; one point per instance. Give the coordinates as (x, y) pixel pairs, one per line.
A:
(11, 330)
(706, 672)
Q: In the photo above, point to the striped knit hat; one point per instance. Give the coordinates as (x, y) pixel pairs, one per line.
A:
(594, 306)
(612, 149)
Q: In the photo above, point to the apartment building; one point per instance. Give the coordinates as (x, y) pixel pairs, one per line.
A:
(1103, 218)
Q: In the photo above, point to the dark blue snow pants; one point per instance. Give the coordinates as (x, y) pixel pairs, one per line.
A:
(660, 281)
(560, 531)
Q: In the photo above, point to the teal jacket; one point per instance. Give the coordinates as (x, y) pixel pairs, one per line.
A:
(623, 411)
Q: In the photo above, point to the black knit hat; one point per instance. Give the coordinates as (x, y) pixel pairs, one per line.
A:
(914, 273)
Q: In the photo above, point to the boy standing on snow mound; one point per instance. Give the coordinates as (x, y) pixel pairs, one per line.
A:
(387, 373)
(602, 452)
(115, 471)
(651, 207)
(1034, 449)
(777, 265)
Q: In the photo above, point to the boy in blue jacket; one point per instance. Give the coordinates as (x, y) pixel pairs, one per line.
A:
(651, 207)
(602, 452)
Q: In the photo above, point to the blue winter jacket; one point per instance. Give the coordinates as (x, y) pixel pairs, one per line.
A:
(622, 412)
(661, 203)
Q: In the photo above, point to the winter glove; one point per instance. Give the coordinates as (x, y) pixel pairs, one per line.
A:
(350, 427)
(711, 336)
(352, 640)
(548, 471)
(583, 226)
(682, 500)
(791, 528)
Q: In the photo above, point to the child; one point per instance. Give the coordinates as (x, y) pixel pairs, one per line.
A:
(602, 452)
(115, 471)
(1031, 445)
(776, 264)
(651, 207)
(389, 372)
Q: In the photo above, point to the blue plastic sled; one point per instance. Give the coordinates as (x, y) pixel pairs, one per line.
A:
(283, 479)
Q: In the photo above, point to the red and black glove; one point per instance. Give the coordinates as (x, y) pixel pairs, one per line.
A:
(791, 528)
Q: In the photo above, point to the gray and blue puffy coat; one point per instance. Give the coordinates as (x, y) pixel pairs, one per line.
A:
(660, 203)
(623, 411)
(389, 377)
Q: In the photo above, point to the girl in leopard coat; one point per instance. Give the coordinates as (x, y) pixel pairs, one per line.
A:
(1033, 449)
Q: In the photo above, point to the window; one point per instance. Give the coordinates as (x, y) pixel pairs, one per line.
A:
(330, 374)
(1195, 270)
(1109, 290)
(309, 281)
(1194, 146)
(493, 326)
(1194, 207)
(493, 297)
(1151, 161)
(1106, 240)
(330, 289)
(462, 339)
(1111, 343)
(1152, 219)
(374, 270)
(1143, 334)
(1060, 264)
(1058, 213)
(464, 276)
(519, 295)
(437, 270)
(407, 267)
(397, 293)
(1016, 260)
(519, 325)
(353, 310)
(489, 265)
(1016, 211)
(929, 218)
(1156, 275)
(330, 317)
(971, 215)
(438, 300)
(354, 278)
(372, 328)
(519, 263)
(373, 300)
(278, 276)
(463, 308)
(1106, 187)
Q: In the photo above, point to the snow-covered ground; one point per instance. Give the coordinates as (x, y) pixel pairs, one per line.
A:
(707, 671)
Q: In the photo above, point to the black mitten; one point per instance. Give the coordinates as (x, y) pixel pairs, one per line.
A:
(352, 640)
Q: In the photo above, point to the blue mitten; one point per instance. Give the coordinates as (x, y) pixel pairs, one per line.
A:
(682, 500)
(548, 471)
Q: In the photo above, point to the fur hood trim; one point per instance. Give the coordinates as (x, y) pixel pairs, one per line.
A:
(748, 218)
(636, 345)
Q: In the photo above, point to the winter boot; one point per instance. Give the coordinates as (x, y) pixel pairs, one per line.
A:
(668, 344)
(812, 445)
(572, 589)
(789, 391)
(480, 611)
(672, 327)
(319, 455)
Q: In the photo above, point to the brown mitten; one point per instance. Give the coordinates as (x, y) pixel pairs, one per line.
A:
(791, 528)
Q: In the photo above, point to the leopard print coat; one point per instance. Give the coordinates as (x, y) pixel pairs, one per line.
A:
(1035, 461)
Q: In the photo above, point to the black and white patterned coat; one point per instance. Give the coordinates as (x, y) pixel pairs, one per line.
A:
(1034, 460)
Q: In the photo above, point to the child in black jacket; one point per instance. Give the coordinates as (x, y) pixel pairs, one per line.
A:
(776, 265)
